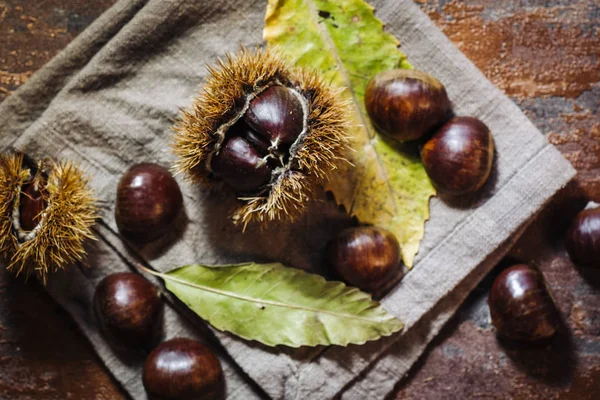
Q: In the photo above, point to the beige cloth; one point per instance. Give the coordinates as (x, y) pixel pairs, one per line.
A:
(108, 101)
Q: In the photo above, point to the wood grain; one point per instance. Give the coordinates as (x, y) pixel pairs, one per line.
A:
(542, 54)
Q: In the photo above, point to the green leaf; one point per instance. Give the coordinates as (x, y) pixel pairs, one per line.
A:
(343, 39)
(277, 305)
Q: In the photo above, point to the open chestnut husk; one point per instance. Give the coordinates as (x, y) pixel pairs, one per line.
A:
(46, 214)
(148, 203)
(128, 310)
(459, 156)
(521, 305)
(583, 238)
(270, 131)
(182, 369)
(406, 104)
(366, 257)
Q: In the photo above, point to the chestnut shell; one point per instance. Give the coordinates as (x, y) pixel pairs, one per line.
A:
(366, 257)
(128, 310)
(406, 104)
(277, 115)
(458, 158)
(182, 369)
(521, 306)
(32, 203)
(240, 165)
(583, 238)
(148, 202)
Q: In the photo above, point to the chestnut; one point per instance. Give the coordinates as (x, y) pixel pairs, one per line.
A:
(276, 114)
(458, 157)
(521, 306)
(33, 201)
(128, 310)
(366, 257)
(182, 369)
(406, 104)
(583, 238)
(257, 141)
(148, 202)
(240, 165)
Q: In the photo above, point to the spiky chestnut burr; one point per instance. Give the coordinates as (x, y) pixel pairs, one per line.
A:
(46, 213)
(272, 132)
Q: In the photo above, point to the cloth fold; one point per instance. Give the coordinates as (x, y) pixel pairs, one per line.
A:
(109, 101)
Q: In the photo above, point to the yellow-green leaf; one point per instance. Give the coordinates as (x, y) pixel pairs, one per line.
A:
(343, 39)
(278, 305)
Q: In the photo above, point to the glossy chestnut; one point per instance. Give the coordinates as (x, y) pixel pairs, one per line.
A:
(148, 202)
(276, 114)
(521, 306)
(240, 165)
(366, 257)
(406, 104)
(583, 238)
(128, 310)
(33, 201)
(258, 142)
(458, 158)
(182, 369)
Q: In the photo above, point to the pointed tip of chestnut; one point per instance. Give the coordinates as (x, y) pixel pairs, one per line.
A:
(521, 306)
(276, 114)
(583, 238)
(406, 104)
(366, 257)
(148, 203)
(183, 369)
(458, 158)
(128, 310)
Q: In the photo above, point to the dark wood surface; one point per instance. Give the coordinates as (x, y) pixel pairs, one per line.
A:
(544, 54)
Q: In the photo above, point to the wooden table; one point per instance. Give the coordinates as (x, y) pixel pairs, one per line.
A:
(546, 57)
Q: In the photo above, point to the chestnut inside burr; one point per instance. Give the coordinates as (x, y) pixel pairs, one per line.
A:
(33, 201)
(259, 143)
(29, 206)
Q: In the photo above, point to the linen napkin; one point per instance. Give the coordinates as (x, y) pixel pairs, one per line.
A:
(109, 101)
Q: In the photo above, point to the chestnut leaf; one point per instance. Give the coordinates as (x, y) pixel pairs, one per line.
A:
(386, 184)
(278, 305)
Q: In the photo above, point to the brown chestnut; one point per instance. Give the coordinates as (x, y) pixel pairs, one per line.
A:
(277, 115)
(583, 238)
(32, 202)
(406, 104)
(458, 157)
(257, 141)
(366, 257)
(148, 202)
(128, 310)
(182, 369)
(240, 165)
(521, 306)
